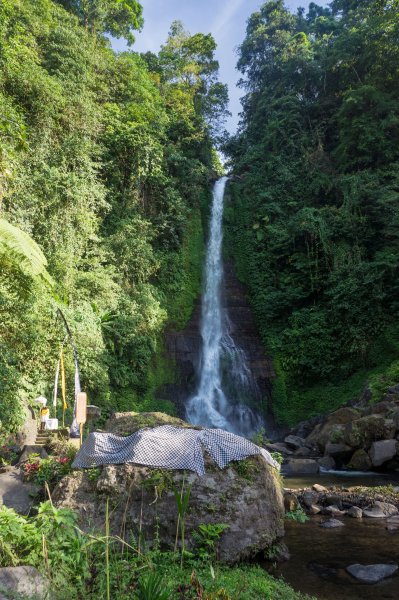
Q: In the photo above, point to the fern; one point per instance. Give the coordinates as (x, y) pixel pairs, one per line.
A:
(21, 249)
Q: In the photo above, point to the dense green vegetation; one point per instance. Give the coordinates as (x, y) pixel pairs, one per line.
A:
(105, 162)
(95, 565)
(314, 204)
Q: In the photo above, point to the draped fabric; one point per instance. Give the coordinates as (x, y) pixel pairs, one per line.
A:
(168, 447)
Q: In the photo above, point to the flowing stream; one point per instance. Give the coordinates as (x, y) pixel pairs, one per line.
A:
(225, 382)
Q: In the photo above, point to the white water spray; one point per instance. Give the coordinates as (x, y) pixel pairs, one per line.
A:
(223, 364)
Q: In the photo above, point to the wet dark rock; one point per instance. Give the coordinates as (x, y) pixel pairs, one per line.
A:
(310, 497)
(355, 512)
(291, 502)
(331, 524)
(382, 451)
(303, 452)
(279, 447)
(294, 441)
(371, 573)
(327, 462)
(339, 452)
(366, 430)
(381, 510)
(360, 461)
(303, 466)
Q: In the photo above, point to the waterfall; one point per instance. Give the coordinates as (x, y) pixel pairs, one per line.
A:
(223, 364)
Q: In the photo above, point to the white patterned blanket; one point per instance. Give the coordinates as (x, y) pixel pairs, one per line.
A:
(168, 447)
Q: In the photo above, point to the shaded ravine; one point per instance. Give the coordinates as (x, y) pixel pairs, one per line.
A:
(226, 388)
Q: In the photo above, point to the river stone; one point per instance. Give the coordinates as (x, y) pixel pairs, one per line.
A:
(279, 447)
(326, 462)
(334, 511)
(295, 441)
(26, 581)
(310, 497)
(315, 509)
(340, 452)
(360, 461)
(332, 426)
(291, 502)
(382, 451)
(381, 510)
(319, 488)
(355, 512)
(331, 524)
(371, 573)
(303, 452)
(362, 432)
(301, 466)
(246, 496)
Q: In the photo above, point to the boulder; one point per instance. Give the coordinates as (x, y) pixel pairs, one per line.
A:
(26, 581)
(381, 510)
(302, 466)
(381, 452)
(334, 511)
(360, 461)
(246, 496)
(28, 450)
(319, 488)
(331, 524)
(327, 462)
(310, 497)
(294, 441)
(303, 452)
(362, 432)
(339, 452)
(291, 502)
(355, 512)
(333, 427)
(371, 573)
(279, 447)
(315, 509)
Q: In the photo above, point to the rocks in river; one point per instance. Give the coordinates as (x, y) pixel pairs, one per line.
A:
(371, 573)
(291, 502)
(334, 511)
(279, 447)
(314, 509)
(331, 524)
(309, 497)
(340, 452)
(301, 466)
(360, 461)
(355, 512)
(319, 488)
(382, 451)
(295, 441)
(246, 496)
(327, 462)
(22, 581)
(381, 510)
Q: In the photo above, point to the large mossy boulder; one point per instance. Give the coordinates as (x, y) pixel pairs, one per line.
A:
(363, 432)
(246, 496)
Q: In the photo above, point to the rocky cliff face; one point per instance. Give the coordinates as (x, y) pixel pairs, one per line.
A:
(184, 347)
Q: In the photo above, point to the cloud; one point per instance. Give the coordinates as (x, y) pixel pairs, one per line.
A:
(223, 18)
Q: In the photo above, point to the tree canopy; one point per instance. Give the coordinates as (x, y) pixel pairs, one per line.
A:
(315, 212)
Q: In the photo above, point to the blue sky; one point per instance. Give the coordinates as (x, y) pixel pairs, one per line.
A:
(225, 19)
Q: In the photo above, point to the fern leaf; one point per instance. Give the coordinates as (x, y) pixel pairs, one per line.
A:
(19, 247)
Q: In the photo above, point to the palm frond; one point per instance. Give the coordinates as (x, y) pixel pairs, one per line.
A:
(19, 247)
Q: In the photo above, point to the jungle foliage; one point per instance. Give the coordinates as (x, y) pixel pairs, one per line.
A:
(105, 163)
(314, 211)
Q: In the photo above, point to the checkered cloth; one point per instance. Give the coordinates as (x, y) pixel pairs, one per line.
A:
(167, 447)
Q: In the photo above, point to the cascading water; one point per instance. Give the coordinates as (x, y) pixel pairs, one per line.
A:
(223, 365)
